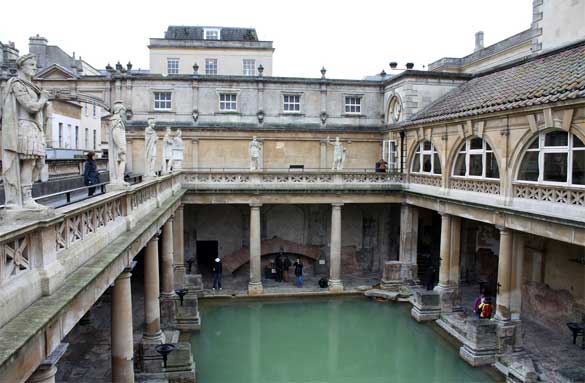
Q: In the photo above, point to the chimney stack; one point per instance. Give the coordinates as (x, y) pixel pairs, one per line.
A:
(478, 41)
(38, 46)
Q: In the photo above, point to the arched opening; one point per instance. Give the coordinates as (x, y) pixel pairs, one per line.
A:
(476, 159)
(426, 159)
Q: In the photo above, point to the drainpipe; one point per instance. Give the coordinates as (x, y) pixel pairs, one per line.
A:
(402, 134)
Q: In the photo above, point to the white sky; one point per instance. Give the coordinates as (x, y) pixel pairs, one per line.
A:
(350, 38)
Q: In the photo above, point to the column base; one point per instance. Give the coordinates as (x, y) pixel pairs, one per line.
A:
(117, 186)
(426, 305)
(335, 286)
(255, 288)
(479, 346)
(150, 339)
(450, 298)
(168, 295)
(43, 375)
(180, 273)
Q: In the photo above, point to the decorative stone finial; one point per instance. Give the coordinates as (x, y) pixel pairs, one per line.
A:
(260, 70)
(323, 71)
(195, 68)
(129, 66)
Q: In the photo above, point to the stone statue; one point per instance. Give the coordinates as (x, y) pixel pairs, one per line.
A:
(150, 140)
(167, 164)
(255, 150)
(178, 150)
(24, 121)
(339, 153)
(117, 146)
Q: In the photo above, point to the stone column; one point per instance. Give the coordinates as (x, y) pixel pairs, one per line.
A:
(455, 252)
(408, 249)
(152, 333)
(167, 272)
(504, 274)
(255, 284)
(122, 333)
(335, 284)
(179, 248)
(445, 254)
(517, 274)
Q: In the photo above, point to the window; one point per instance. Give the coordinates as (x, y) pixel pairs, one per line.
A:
(353, 104)
(94, 140)
(162, 100)
(211, 66)
(76, 137)
(426, 159)
(554, 157)
(211, 34)
(476, 159)
(249, 67)
(86, 138)
(60, 134)
(291, 103)
(228, 102)
(172, 66)
(69, 136)
(390, 154)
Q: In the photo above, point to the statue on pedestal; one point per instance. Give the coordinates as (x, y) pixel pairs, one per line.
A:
(117, 146)
(150, 140)
(24, 121)
(178, 150)
(255, 150)
(339, 153)
(167, 164)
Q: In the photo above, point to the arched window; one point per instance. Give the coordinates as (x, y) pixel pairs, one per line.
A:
(426, 159)
(476, 159)
(554, 157)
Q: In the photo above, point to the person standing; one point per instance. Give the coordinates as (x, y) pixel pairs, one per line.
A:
(217, 270)
(90, 174)
(298, 273)
(279, 266)
(286, 264)
(429, 277)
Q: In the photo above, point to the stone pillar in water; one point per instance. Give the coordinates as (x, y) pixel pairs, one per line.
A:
(335, 246)
(152, 333)
(504, 275)
(122, 338)
(179, 248)
(255, 284)
(168, 276)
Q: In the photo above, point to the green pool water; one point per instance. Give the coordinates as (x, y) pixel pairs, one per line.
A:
(342, 340)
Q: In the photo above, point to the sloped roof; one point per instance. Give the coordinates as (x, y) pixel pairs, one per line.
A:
(176, 32)
(551, 77)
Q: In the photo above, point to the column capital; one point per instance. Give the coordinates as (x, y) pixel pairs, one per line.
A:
(255, 204)
(181, 206)
(443, 213)
(337, 204)
(503, 229)
(154, 237)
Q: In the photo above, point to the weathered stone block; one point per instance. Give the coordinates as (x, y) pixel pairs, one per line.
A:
(425, 305)
(480, 343)
(187, 315)
(396, 274)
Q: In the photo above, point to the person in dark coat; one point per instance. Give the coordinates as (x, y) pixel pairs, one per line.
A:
(279, 267)
(298, 273)
(286, 264)
(217, 270)
(429, 277)
(90, 174)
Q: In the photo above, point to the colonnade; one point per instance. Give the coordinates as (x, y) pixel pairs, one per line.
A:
(122, 347)
(255, 284)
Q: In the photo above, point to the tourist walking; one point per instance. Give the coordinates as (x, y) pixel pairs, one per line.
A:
(286, 264)
(486, 308)
(279, 266)
(478, 301)
(298, 273)
(90, 173)
(217, 270)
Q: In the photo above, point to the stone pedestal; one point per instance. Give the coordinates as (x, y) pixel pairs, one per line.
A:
(509, 336)
(426, 305)
(122, 335)
(479, 347)
(255, 284)
(187, 315)
(450, 298)
(398, 274)
(335, 284)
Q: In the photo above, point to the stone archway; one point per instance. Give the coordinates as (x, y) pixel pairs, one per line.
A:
(233, 261)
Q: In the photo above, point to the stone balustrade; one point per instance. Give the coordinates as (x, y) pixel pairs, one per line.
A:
(555, 194)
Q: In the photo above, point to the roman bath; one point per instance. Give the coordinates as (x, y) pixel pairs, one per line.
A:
(423, 226)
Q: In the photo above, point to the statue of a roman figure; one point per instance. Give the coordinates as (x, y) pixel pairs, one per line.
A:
(338, 154)
(178, 150)
(255, 150)
(24, 121)
(117, 145)
(150, 140)
(167, 164)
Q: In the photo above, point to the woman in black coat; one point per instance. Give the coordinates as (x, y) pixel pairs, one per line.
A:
(91, 175)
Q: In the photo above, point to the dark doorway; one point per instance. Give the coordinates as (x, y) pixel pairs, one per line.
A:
(206, 254)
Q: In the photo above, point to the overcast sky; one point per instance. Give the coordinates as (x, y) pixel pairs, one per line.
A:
(351, 39)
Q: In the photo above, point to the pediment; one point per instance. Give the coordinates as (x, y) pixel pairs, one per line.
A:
(55, 72)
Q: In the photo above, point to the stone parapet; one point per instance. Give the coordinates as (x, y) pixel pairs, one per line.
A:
(397, 274)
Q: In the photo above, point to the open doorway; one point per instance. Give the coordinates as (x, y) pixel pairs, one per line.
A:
(206, 254)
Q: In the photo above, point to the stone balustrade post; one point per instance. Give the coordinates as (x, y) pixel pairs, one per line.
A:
(122, 332)
(255, 284)
(335, 284)
(152, 333)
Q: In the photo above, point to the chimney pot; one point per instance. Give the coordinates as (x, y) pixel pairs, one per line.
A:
(478, 41)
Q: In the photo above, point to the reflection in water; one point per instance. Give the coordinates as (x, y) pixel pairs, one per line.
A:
(342, 340)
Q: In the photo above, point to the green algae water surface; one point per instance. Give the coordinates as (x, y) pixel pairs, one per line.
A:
(342, 340)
